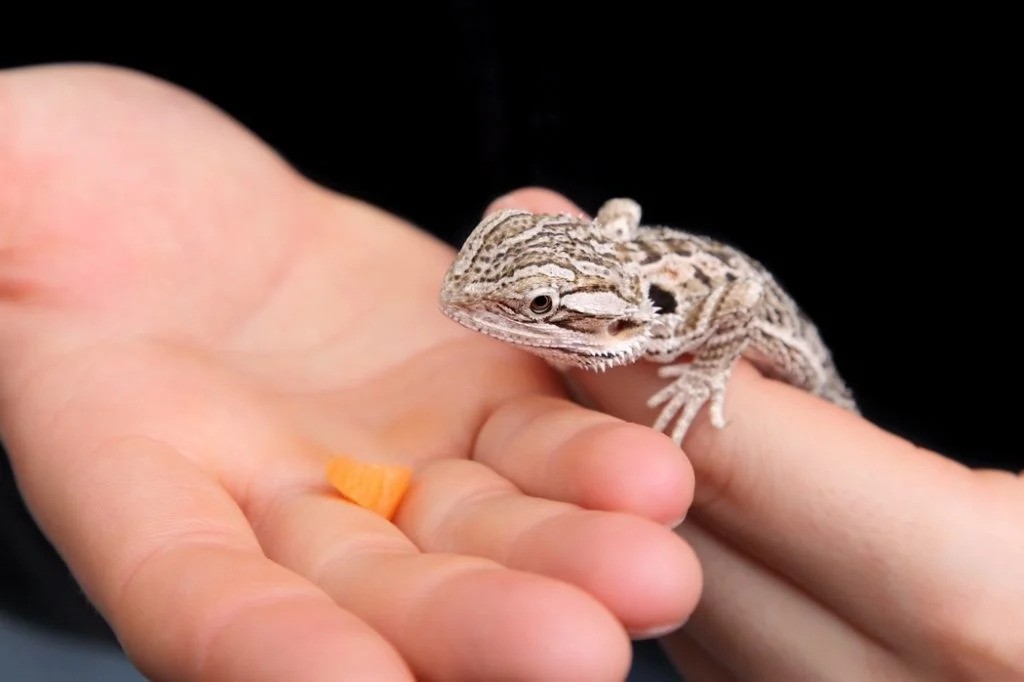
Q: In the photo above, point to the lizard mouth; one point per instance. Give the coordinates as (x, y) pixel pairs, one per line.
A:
(623, 341)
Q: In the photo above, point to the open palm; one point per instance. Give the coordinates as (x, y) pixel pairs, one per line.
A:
(189, 329)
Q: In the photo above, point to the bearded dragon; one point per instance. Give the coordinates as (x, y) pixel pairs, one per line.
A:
(604, 292)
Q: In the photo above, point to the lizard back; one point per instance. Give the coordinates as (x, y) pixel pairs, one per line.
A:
(682, 269)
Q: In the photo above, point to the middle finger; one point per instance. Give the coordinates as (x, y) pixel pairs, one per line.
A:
(637, 568)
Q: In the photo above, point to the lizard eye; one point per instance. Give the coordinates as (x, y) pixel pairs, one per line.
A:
(541, 303)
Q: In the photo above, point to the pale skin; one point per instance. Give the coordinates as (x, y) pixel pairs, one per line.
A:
(188, 329)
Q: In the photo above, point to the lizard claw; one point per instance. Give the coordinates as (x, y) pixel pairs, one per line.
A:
(691, 388)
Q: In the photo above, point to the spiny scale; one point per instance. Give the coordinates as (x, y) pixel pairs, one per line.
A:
(604, 292)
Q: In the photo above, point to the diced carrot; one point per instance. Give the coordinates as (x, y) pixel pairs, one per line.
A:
(377, 487)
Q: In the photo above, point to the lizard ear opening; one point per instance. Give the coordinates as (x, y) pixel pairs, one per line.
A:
(624, 327)
(663, 299)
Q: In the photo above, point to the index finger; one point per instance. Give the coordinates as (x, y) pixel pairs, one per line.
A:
(814, 491)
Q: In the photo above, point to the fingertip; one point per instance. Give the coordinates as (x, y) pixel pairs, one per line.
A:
(626, 467)
(592, 642)
(535, 199)
(647, 576)
(548, 631)
(554, 449)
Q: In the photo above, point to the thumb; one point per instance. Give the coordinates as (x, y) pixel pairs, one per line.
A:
(534, 199)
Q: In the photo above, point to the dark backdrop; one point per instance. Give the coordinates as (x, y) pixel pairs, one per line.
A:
(864, 160)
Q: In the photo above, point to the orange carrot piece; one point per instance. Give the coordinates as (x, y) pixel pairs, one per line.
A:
(377, 487)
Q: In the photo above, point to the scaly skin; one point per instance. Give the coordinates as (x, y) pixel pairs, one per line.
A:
(599, 293)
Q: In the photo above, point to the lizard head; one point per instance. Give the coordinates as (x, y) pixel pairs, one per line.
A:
(553, 285)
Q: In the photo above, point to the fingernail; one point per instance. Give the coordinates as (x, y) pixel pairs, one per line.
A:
(504, 201)
(655, 632)
(675, 524)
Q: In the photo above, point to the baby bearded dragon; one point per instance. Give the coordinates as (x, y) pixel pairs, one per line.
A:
(604, 292)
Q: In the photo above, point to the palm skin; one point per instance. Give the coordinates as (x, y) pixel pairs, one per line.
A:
(188, 329)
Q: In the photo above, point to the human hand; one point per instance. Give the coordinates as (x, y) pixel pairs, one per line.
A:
(188, 329)
(831, 549)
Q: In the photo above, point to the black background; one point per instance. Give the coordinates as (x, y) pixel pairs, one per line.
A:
(866, 160)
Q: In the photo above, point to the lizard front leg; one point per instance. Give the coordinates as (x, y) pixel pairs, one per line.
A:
(716, 337)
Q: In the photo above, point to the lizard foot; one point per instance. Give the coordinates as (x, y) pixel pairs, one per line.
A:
(692, 387)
